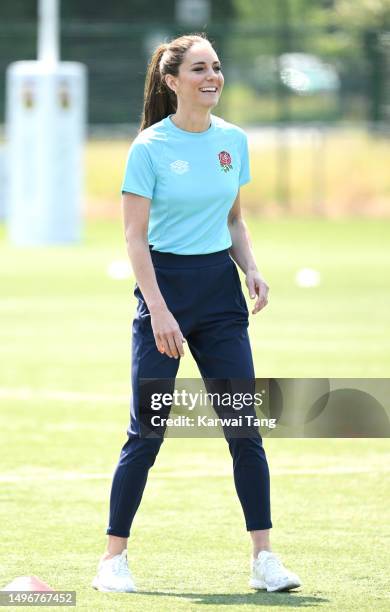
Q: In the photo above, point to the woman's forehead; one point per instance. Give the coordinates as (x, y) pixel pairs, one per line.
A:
(200, 52)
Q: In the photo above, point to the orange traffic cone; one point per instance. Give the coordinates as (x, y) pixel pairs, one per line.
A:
(27, 583)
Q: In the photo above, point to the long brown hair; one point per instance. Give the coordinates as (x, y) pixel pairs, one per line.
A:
(159, 100)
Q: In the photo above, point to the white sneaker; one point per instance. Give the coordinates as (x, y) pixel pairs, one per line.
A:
(269, 573)
(114, 575)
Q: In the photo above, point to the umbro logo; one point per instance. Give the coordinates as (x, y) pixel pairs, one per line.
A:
(179, 166)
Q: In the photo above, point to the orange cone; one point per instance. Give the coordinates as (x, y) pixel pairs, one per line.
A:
(27, 583)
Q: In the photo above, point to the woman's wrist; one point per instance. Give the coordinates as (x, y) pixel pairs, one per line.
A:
(156, 306)
(251, 268)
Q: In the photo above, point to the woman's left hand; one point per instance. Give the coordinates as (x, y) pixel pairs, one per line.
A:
(257, 287)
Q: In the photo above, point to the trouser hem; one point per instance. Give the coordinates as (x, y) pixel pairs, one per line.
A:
(258, 526)
(117, 533)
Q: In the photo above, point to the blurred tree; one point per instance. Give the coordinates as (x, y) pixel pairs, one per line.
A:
(360, 13)
(364, 13)
(372, 18)
(268, 13)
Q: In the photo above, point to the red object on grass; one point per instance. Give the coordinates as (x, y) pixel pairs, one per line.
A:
(27, 583)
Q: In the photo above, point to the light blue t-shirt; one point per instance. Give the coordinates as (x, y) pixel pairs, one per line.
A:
(192, 180)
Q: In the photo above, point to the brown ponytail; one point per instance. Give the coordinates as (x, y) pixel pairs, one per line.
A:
(159, 100)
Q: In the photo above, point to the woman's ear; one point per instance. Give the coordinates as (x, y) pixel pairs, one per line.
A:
(170, 83)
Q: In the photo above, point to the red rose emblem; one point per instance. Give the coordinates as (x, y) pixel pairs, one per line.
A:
(225, 161)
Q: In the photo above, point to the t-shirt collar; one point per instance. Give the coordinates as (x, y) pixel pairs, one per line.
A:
(173, 127)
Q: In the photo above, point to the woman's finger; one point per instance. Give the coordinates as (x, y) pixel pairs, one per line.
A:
(170, 339)
(162, 345)
(251, 288)
(260, 303)
(178, 338)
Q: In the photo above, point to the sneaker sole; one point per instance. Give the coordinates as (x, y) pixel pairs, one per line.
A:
(99, 587)
(286, 586)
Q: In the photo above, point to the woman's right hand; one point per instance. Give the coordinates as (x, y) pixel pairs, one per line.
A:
(167, 333)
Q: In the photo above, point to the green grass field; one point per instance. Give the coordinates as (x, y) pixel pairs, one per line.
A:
(64, 385)
(340, 172)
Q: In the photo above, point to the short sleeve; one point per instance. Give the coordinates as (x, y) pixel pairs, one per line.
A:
(140, 176)
(245, 175)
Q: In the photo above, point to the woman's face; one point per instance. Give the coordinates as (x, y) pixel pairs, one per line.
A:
(200, 69)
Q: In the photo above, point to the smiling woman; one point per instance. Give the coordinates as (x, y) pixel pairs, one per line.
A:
(185, 234)
(184, 81)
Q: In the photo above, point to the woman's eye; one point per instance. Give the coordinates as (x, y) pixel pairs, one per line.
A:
(218, 68)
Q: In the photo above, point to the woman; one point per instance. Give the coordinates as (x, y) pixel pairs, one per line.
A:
(183, 226)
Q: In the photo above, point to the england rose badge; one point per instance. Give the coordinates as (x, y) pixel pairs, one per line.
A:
(225, 161)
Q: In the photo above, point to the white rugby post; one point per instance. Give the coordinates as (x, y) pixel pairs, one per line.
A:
(48, 34)
(45, 130)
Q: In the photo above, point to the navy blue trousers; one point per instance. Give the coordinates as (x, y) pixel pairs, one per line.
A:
(204, 294)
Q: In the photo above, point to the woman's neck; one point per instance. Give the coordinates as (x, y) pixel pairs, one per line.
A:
(192, 121)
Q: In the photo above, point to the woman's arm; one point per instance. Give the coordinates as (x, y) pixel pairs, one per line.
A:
(241, 252)
(167, 333)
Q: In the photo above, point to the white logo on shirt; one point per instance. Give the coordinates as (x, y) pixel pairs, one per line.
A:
(179, 166)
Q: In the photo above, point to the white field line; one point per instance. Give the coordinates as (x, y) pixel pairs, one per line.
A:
(58, 475)
(28, 394)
